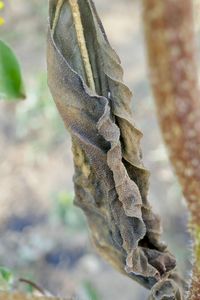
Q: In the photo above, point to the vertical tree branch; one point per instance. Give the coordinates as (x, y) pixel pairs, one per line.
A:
(169, 31)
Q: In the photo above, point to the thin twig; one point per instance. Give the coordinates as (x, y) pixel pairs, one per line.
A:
(35, 286)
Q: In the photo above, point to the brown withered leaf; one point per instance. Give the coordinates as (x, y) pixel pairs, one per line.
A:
(111, 183)
(169, 289)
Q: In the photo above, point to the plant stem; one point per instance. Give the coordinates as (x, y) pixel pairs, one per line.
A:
(57, 14)
(169, 30)
(80, 37)
(82, 43)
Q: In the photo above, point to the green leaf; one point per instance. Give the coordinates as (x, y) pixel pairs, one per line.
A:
(6, 274)
(91, 291)
(11, 84)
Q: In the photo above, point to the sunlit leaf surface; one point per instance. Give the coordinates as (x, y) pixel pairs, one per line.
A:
(11, 85)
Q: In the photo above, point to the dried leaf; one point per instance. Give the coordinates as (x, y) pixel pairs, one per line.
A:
(169, 289)
(111, 183)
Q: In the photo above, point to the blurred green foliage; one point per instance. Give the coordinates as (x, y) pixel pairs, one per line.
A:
(39, 114)
(65, 212)
(90, 291)
(28, 289)
(11, 83)
(6, 279)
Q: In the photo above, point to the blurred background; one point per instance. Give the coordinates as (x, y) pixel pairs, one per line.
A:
(44, 238)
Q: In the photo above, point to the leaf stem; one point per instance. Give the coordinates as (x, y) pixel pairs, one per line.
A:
(82, 43)
(80, 37)
(57, 13)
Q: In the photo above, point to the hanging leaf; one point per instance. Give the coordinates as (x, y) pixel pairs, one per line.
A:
(111, 183)
(11, 85)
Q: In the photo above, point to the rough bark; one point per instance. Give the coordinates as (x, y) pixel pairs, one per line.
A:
(171, 49)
